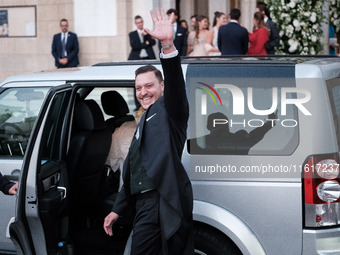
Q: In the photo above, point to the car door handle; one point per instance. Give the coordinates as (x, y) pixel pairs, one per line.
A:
(14, 175)
(62, 191)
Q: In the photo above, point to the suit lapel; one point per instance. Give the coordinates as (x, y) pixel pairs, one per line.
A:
(59, 39)
(148, 115)
(141, 124)
(137, 36)
(68, 39)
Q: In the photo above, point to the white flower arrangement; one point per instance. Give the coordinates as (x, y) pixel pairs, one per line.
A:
(299, 25)
(334, 14)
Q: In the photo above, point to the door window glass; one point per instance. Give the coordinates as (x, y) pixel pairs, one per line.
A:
(334, 94)
(19, 108)
(127, 93)
(52, 143)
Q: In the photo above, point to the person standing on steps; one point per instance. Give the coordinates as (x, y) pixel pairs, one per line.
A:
(65, 47)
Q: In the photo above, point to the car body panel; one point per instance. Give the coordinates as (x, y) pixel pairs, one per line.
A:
(260, 212)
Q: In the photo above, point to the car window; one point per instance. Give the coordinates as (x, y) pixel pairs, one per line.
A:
(334, 96)
(127, 93)
(51, 142)
(19, 108)
(233, 115)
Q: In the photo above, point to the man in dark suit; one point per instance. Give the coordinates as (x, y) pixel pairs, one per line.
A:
(65, 47)
(7, 187)
(180, 34)
(140, 42)
(274, 36)
(232, 38)
(155, 180)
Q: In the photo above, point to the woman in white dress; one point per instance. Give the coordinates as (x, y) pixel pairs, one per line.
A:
(211, 42)
(198, 37)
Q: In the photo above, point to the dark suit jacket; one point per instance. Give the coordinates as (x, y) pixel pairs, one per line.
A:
(274, 37)
(233, 39)
(5, 184)
(167, 120)
(180, 41)
(137, 46)
(72, 49)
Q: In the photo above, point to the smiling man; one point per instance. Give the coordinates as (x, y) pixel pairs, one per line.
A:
(155, 181)
(149, 85)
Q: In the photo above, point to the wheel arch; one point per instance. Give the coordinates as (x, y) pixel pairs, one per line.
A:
(229, 224)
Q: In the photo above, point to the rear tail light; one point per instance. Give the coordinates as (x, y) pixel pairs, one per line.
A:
(322, 190)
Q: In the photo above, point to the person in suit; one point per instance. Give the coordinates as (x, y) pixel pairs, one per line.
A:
(141, 42)
(232, 38)
(180, 34)
(65, 47)
(274, 36)
(184, 23)
(7, 187)
(155, 181)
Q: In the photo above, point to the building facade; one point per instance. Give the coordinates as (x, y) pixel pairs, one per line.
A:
(102, 27)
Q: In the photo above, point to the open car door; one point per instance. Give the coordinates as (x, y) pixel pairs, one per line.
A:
(41, 222)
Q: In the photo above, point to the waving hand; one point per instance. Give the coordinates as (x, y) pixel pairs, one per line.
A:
(162, 29)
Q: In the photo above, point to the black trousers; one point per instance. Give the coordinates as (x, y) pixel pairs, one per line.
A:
(147, 233)
(147, 237)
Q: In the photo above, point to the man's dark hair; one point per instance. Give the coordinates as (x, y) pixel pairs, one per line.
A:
(263, 8)
(235, 14)
(62, 20)
(138, 17)
(149, 68)
(172, 11)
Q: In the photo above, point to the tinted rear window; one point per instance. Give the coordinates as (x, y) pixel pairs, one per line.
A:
(334, 96)
(242, 110)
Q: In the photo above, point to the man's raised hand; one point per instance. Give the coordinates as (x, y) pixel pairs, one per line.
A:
(162, 27)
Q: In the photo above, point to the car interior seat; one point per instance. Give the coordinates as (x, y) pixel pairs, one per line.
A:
(115, 105)
(89, 147)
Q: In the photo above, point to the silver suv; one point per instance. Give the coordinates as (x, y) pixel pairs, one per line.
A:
(262, 153)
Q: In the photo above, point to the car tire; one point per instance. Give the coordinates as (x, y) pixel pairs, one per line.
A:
(212, 242)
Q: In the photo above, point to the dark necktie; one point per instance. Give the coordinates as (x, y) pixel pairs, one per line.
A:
(63, 45)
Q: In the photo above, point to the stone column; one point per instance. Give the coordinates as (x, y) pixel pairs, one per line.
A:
(247, 8)
(217, 5)
(142, 8)
(325, 27)
(187, 10)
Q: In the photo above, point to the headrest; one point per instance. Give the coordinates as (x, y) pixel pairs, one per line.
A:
(114, 104)
(89, 116)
